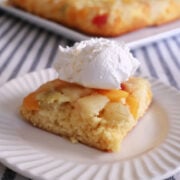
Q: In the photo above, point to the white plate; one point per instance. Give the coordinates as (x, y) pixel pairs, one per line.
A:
(150, 151)
(133, 39)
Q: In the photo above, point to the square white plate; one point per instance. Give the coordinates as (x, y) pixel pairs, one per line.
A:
(133, 39)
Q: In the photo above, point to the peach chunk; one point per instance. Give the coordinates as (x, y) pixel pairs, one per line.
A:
(133, 105)
(30, 102)
(114, 95)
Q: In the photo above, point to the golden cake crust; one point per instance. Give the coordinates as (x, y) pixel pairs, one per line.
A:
(105, 17)
(98, 118)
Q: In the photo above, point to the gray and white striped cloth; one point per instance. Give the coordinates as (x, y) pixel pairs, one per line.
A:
(25, 48)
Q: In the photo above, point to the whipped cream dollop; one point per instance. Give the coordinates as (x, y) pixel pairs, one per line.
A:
(96, 63)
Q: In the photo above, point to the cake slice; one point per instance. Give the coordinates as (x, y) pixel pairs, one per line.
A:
(95, 117)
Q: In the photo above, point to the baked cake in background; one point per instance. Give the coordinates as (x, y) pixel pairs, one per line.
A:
(104, 17)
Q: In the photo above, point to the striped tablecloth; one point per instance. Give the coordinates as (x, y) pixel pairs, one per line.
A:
(25, 48)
